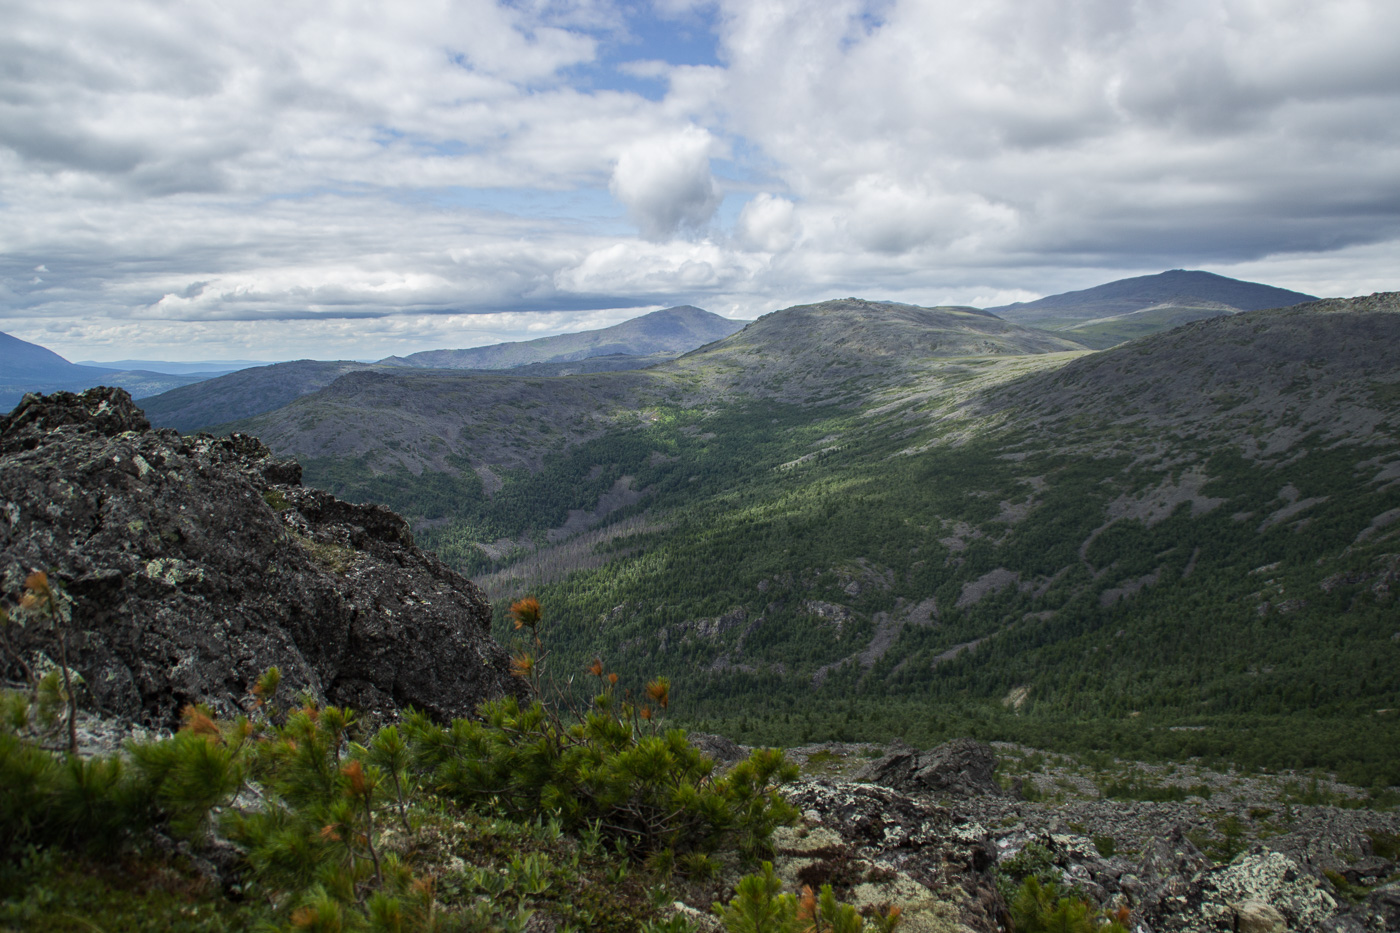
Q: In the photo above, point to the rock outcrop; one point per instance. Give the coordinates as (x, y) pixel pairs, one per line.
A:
(196, 563)
(960, 768)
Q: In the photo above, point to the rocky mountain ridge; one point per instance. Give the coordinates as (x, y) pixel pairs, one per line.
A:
(194, 564)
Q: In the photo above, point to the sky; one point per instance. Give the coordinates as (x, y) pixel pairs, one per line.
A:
(276, 179)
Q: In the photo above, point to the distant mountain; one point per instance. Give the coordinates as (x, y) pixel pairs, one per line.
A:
(206, 368)
(244, 393)
(32, 368)
(836, 352)
(643, 341)
(833, 348)
(1109, 314)
(31, 362)
(670, 332)
(608, 363)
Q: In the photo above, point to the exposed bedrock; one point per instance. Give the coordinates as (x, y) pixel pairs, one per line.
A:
(195, 563)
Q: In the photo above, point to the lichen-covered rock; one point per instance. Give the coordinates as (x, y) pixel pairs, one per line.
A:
(196, 563)
(1228, 897)
(877, 846)
(960, 768)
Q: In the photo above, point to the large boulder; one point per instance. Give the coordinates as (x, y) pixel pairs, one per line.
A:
(196, 563)
(960, 768)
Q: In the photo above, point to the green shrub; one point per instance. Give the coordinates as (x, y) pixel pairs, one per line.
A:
(759, 906)
(315, 813)
(1039, 908)
(650, 792)
(89, 804)
(609, 767)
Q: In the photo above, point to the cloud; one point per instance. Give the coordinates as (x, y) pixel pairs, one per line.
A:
(768, 223)
(190, 166)
(666, 184)
(1076, 127)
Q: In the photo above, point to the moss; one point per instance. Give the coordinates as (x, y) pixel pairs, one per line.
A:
(276, 500)
(333, 558)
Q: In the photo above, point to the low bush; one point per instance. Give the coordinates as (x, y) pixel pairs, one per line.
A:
(1039, 908)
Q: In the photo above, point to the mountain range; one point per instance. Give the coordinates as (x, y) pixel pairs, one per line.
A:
(1097, 317)
(640, 342)
(859, 519)
(863, 519)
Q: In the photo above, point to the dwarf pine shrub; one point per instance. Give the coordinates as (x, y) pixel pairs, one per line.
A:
(1040, 908)
(652, 792)
(759, 906)
(610, 767)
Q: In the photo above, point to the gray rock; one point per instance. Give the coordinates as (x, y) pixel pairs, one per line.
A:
(196, 563)
(1384, 906)
(960, 768)
(723, 751)
(924, 842)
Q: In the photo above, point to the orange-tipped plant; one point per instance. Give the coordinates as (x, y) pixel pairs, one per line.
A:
(659, 692)
(526, 613)
(46, 601)
(197, 720)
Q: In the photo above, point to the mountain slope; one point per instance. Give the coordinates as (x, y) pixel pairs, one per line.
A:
(32, 368)
(412, 420)
(29, 361)
(1132, 307)
(1188, 545)
(845, 348)
(671, 331)
(243, 394)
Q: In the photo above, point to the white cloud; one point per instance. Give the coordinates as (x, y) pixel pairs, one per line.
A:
(658, 269)
(194, 169)
(768, 223)
(665, 182)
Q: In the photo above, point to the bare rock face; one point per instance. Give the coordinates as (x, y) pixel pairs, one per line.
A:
(960, 768)
(196, 563)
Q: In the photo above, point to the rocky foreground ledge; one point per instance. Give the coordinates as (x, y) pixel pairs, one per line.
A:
(935, 833)
(195, 563)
